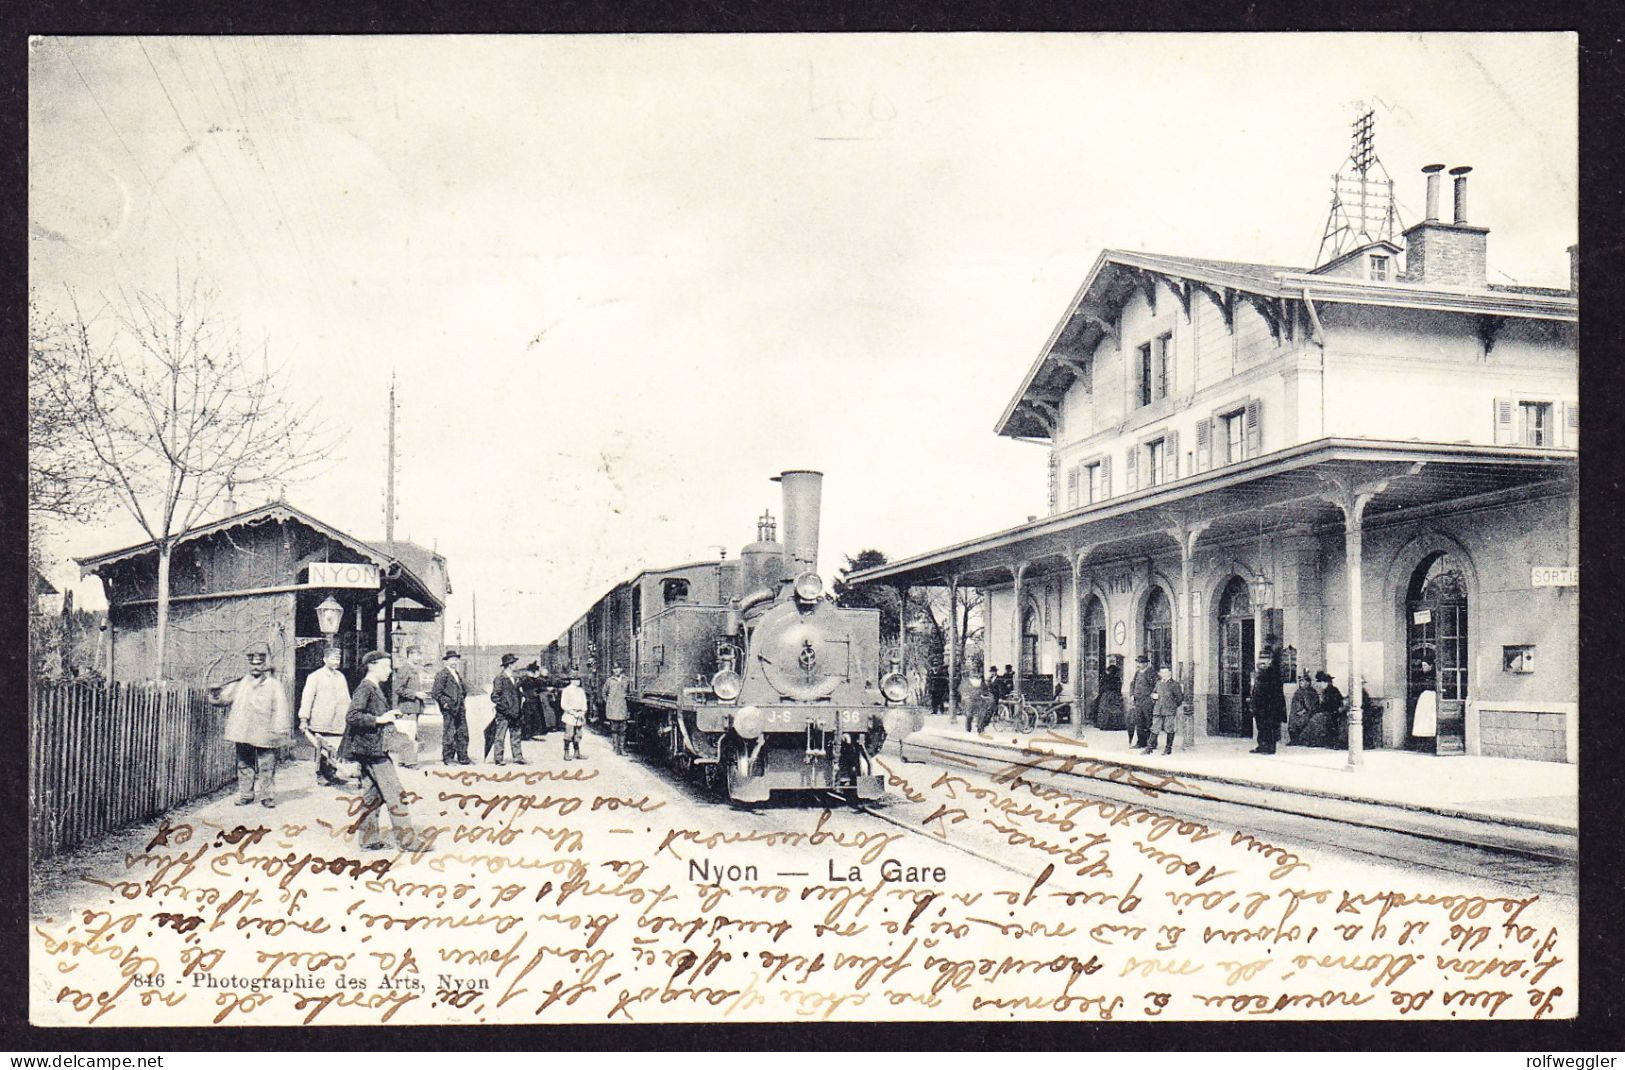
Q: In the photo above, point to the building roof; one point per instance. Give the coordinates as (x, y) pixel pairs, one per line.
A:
(416, 557)
(1267, 288)
(273, 512)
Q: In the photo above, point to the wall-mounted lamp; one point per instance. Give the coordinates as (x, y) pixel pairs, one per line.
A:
(328, 616)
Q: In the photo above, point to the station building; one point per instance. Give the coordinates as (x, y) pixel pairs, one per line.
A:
(1371, 463)
(273, 574)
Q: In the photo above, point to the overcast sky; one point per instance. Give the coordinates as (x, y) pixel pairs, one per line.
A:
(625, 280)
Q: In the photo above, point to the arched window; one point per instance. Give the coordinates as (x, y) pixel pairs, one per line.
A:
(1029, 641)
(1158, 630)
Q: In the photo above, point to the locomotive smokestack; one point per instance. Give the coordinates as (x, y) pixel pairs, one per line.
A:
(803, 491)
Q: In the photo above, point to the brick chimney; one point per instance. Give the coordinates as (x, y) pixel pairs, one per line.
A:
(1450, 254)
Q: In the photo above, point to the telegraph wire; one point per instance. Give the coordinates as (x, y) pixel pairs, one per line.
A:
(242, 238)
(179, 230)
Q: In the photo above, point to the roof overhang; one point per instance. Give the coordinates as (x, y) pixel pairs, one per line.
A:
(1293, 488)
(276, 512)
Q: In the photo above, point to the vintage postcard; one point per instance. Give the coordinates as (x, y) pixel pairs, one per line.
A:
(639, 529)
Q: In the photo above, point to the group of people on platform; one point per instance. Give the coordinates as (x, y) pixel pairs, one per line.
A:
(350, 729)
(1154, 706)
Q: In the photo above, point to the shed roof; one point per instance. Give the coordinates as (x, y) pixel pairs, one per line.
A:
(274, 512)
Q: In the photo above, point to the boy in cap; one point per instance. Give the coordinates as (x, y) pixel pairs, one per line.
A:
(260, 724)
(574, 701)
(505, 702)
(367, 721)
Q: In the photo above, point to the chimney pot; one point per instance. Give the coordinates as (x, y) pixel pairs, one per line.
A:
(1432, 171)
(1460, 174)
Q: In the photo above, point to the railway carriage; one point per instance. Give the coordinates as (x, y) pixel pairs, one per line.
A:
(746, 672)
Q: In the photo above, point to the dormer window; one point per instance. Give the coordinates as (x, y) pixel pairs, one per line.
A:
(1379, 268)
(1155, 370)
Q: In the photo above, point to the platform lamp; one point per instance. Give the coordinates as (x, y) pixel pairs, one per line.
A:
(329, 615)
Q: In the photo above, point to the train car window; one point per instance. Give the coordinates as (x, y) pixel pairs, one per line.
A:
(674, 591)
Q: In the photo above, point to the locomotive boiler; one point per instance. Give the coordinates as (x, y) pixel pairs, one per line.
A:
(747, 673)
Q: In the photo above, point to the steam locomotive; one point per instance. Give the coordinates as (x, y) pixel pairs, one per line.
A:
(746, 672)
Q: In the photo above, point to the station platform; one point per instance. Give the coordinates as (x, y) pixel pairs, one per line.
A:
(1541, 798)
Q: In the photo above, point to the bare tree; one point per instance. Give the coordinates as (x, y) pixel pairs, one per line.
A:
(64, 483)
(967, 605)
(171, 419)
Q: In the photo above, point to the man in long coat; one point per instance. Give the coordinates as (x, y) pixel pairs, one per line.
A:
(615, 707)
(1269, 701)
(260, 724)
(451, 694)
(1140, 702)
(505, 702)
(407, 687)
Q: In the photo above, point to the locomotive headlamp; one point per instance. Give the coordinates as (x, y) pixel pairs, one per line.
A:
(748, 722)
(725, 684)
(894, 685)
(809, 587)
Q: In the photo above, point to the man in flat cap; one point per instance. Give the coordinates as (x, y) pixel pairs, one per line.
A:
(506, 704)
(368, 720)
(260, 724)
(449, 693)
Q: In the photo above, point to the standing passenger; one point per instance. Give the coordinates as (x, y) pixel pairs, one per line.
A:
(530, 702)
(407, 687)
(615, 707)
(1141, 689)
(505, 703)
(1305, 700)
(451, 694)
(260, 724)
(1269, 701)
(1109, 703)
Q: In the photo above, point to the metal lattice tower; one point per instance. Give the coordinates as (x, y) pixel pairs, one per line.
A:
(1363, 208)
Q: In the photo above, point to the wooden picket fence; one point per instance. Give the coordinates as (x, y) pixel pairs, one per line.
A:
(101, 758)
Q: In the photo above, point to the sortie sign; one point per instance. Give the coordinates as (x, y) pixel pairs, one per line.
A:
(341, 574)
(1554, 576)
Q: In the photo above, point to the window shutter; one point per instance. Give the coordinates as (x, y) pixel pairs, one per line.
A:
(1072, 487)
(1204, 445)
(1571, 425)
(1168, 348)
(1105, 477)
(1171, 445)
(1255, 428)
(1503, 422)
(1132, 474)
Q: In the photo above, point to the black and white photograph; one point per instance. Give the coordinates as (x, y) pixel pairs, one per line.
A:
(803, 528)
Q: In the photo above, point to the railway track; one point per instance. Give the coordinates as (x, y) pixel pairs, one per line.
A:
(1523, 858)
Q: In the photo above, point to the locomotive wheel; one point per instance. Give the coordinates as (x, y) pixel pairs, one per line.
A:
(735, 766)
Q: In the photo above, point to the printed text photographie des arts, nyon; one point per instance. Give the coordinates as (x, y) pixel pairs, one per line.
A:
(418, 637)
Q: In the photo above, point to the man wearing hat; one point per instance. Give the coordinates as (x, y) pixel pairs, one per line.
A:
(1269, 700)
(615, 708)
(323, 707)
(450, 694)
(260, 724)
(367, 721)
(505, 702)
(1141, 702)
